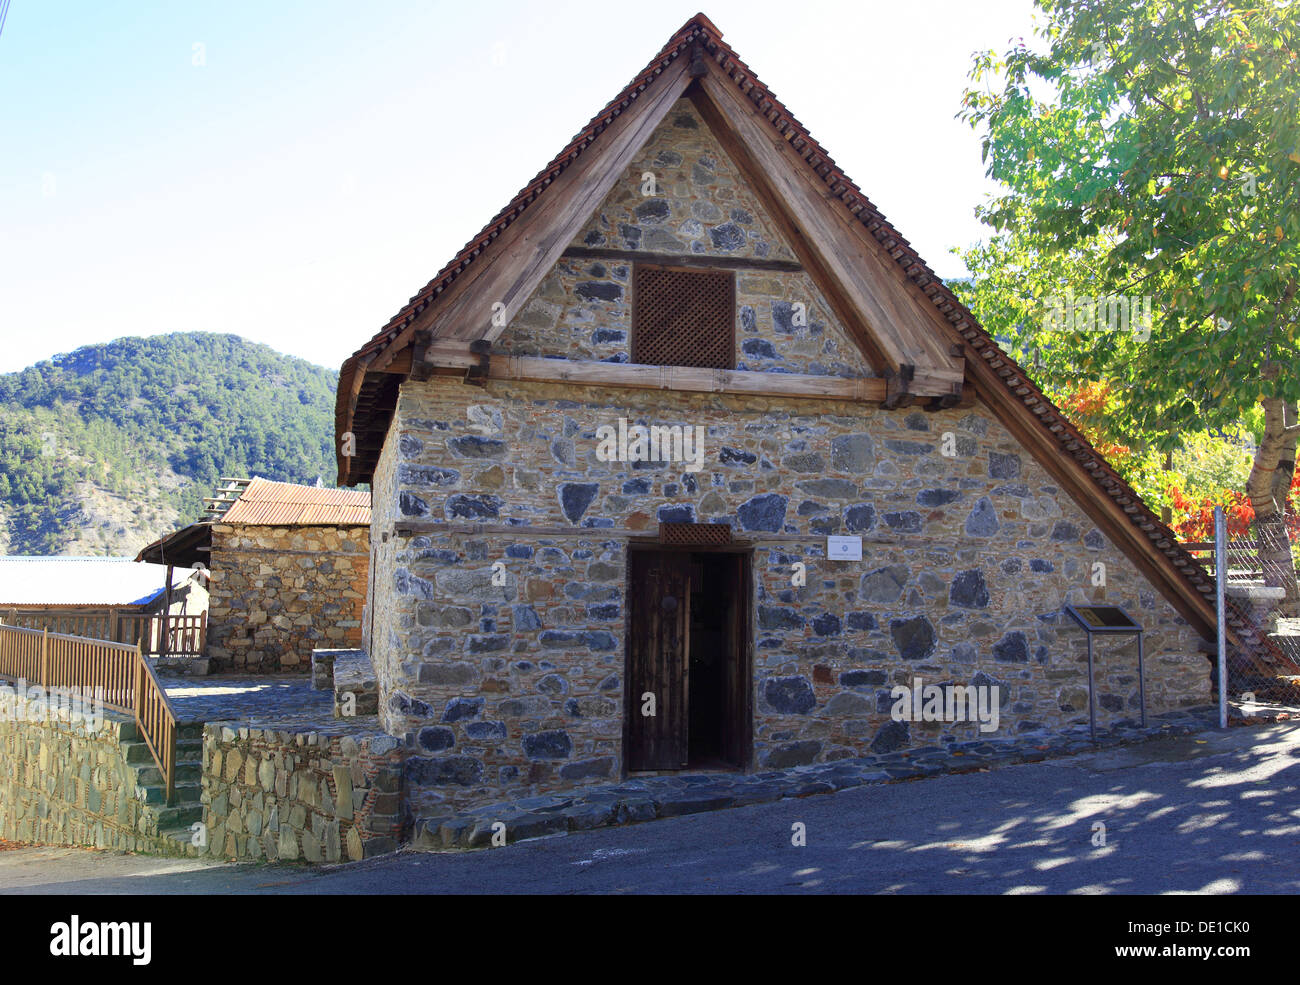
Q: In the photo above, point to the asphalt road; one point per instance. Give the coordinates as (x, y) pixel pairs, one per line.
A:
(1215, 813)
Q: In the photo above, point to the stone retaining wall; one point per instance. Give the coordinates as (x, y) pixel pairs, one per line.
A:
(307, 796)
(280, 592)
(63, 782)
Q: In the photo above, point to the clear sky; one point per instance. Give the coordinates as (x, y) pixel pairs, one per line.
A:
(294, 171)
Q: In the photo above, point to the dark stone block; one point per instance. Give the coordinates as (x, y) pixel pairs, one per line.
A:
(403, 703)
(906, 522)
(790, 695)
(891, 736)
(861, 621)
(1011, 565)
(408, 445)
(765, 512)
(969, 590)
(1040, 566)
(736, 456)
(758, 348)
(1003, 466)
(653, 211)
(860, 518)
(486, 644)
(858, 678)
(459, 709)
(684, 513)
(463, 771)
(636, 487)
(779, 617)
(554, 744)
(422, 475)
(522, 551)
(1063, 532)
(412, 505)
(1012, 648)
(602, 336)
(1093, 540)
(473, 446)
(748, 320)
(435, 738)
(783, 317)
(1111, 702)
(473, 507)
(485, 731)
(605, 611)
(884, 586)
(794, 754)
(826, 625)
(936, 497)
(914, 637)
(588, 769)
(575, 497)
(727, 237)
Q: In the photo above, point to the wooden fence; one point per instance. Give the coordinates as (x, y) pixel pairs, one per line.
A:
(129, 685)
(156, 635)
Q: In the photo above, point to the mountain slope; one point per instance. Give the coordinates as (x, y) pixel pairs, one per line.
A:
(106, 448)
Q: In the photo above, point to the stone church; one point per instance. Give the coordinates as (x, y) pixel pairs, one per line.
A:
(688, 461)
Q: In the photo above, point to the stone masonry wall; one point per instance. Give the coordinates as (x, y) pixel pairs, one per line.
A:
(279, 592)
(583, 308)
(516, 688)
(304, 796)
(63, 782)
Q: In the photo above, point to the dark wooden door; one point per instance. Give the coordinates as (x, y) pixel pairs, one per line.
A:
(737, 726)
(658, 652)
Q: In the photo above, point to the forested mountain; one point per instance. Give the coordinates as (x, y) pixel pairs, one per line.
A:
(106, 448)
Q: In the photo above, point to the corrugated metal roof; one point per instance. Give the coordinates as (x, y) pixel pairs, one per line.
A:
(286, 504)
(28, 580)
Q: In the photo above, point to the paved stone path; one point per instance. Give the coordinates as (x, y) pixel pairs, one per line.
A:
(284, 702)
(645, 799)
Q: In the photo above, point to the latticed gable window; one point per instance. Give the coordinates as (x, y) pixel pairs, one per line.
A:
(683, 317)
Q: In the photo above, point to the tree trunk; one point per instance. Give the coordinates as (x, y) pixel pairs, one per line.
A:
(1267, 487)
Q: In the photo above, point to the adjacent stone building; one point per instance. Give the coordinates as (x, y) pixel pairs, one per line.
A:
(288, 567)
(611, 442)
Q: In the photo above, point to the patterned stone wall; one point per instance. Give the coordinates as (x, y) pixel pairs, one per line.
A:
(516, 688)
(303, 796)
(279, 592)
(64, 782)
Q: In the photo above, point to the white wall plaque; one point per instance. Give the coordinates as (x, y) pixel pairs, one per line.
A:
(844, 548)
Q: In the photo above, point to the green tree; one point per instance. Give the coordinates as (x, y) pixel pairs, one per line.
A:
(1151, 153)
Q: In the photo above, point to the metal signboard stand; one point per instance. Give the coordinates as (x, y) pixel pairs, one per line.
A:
(1107, 620)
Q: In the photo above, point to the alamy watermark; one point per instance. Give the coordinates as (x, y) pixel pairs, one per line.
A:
(1113, 313)
(655, 443)
(952, 703)
(20, 703)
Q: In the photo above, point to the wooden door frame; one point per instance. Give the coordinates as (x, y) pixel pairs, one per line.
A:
(745, 551)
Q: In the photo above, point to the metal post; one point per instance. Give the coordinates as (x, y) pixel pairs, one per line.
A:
(1142, 686)
(1221, 584)
(1092, 687)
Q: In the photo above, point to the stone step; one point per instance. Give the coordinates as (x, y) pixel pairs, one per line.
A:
(187, 751)
(151, 776)
(178, 815)
(185, 793)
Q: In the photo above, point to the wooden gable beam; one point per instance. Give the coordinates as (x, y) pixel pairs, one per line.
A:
(894, 327)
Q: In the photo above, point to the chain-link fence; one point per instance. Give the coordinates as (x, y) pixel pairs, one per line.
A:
(1261, 616)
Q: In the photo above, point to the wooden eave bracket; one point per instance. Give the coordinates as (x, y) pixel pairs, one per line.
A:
(477, 375)
(897, 383)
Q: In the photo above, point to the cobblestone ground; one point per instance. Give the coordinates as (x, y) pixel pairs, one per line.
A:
(285, 702)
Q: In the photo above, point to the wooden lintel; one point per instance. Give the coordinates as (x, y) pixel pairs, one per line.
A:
(682, 260)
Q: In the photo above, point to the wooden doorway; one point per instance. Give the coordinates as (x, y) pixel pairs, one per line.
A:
(688, 646)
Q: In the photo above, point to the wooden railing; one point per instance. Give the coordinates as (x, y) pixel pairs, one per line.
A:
(157, 635)
(129, 685)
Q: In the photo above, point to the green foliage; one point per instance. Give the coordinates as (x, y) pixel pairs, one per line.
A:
(119, 416)
(1148, 150)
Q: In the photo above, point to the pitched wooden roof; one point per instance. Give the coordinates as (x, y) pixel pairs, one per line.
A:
(879, 271)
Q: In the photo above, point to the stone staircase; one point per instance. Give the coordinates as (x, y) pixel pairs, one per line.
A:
(170, 824)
